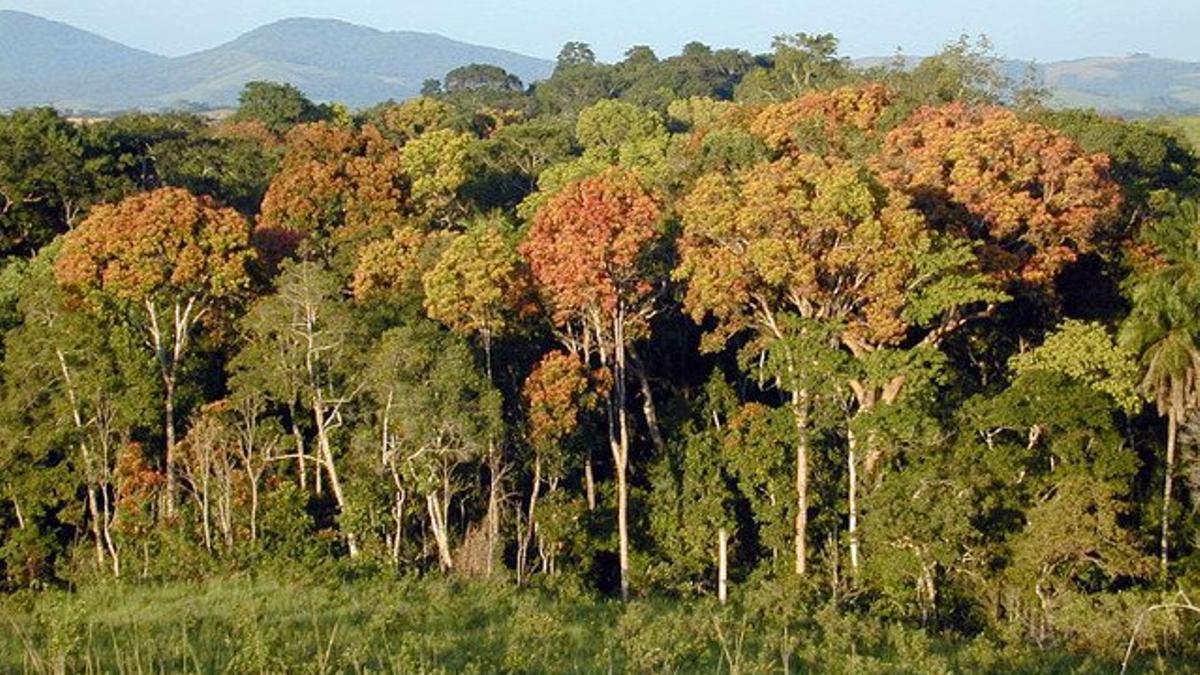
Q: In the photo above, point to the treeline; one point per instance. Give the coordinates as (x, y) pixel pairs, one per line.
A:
(909, 342)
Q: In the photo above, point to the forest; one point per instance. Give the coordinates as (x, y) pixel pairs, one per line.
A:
(715, 362)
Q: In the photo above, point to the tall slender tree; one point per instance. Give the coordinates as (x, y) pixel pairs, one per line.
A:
(1164, 328)
(591, 249)
(166, 262)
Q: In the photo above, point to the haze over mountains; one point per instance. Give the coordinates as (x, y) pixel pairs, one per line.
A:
(47, 62)
(44, 62)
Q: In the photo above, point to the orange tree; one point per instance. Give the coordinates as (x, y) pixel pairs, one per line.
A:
(806, 254)
(1032, 199)
(591, 249)
(338, 187)
(166, 261)
(558, 394)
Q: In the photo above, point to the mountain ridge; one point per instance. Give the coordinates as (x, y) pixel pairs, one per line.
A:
(329, 59)
(46, 62)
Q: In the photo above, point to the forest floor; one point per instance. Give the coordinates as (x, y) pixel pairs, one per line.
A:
(436, 626)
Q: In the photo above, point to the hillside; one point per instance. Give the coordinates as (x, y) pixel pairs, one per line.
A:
(328, 59)
(33, 49)
(1134, 85)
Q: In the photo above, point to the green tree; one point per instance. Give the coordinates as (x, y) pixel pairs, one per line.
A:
(435, 412)
(278, 106)
(1164, 330)
(44, 179)
(301, 345)
(477, 77)
(75, 391)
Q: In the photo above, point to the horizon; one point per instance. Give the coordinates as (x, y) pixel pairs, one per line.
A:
(860, 30)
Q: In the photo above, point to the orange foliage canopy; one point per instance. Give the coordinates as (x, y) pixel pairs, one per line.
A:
(823, 120)
(335, 182)
(1030, 195)
(588, 246)
(558, 392)
(802, 235)
(163, 245)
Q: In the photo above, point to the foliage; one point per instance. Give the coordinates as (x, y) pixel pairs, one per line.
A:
(312, 389)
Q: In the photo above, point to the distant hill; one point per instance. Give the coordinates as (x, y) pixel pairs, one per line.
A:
(1138, 85)
(45, 62)
(1133, 85)
(34, 48)
(327, 59)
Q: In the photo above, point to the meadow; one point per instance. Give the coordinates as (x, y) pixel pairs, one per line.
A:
(407, 625)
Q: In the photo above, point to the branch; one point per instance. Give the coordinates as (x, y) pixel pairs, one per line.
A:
(1180, 602)
(938, 334)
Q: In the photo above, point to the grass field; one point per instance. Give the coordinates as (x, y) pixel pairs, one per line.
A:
(433, 626)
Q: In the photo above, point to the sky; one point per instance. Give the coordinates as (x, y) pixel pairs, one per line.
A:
(1045, 30)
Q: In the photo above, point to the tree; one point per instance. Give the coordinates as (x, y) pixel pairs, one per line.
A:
(591, 249)
(558, 394)
(278, 106)
(44, 183)
(610, 124)
(799, 63)
(480, 77)
(436, 166)
(526, 149)
(436, 412)
(1030, 196)
(1087, 353)
(576, 54)
(233, 170)
(1164, 330)
(75, 391)
(963, 71)
(842, 122)
(166, 262)
(577, 82)
(480, 287)
(301, 345)
(334, 187)
(806, 254)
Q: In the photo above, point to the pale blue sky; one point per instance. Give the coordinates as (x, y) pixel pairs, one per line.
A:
(1041, 29)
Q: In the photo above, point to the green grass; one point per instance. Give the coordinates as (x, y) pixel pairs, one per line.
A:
(436, 626)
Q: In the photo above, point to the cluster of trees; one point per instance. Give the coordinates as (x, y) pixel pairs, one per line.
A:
(907, 338)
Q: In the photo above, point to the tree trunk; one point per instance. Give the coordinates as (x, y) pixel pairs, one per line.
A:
(722, 565)
(327, 460)
(1172, 435)
(852, 473)
(493, 510)
(437, 524)
(800, 404)
(530, 521)
(649, 410)
(169, 429)
(621, 453)
(89, 469)
(589, 481)
(494, 470)
(298, 437)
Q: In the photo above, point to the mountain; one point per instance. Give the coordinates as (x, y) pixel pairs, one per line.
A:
(34, 48)
(1135, 85)
(327, 59)
(45, 62)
